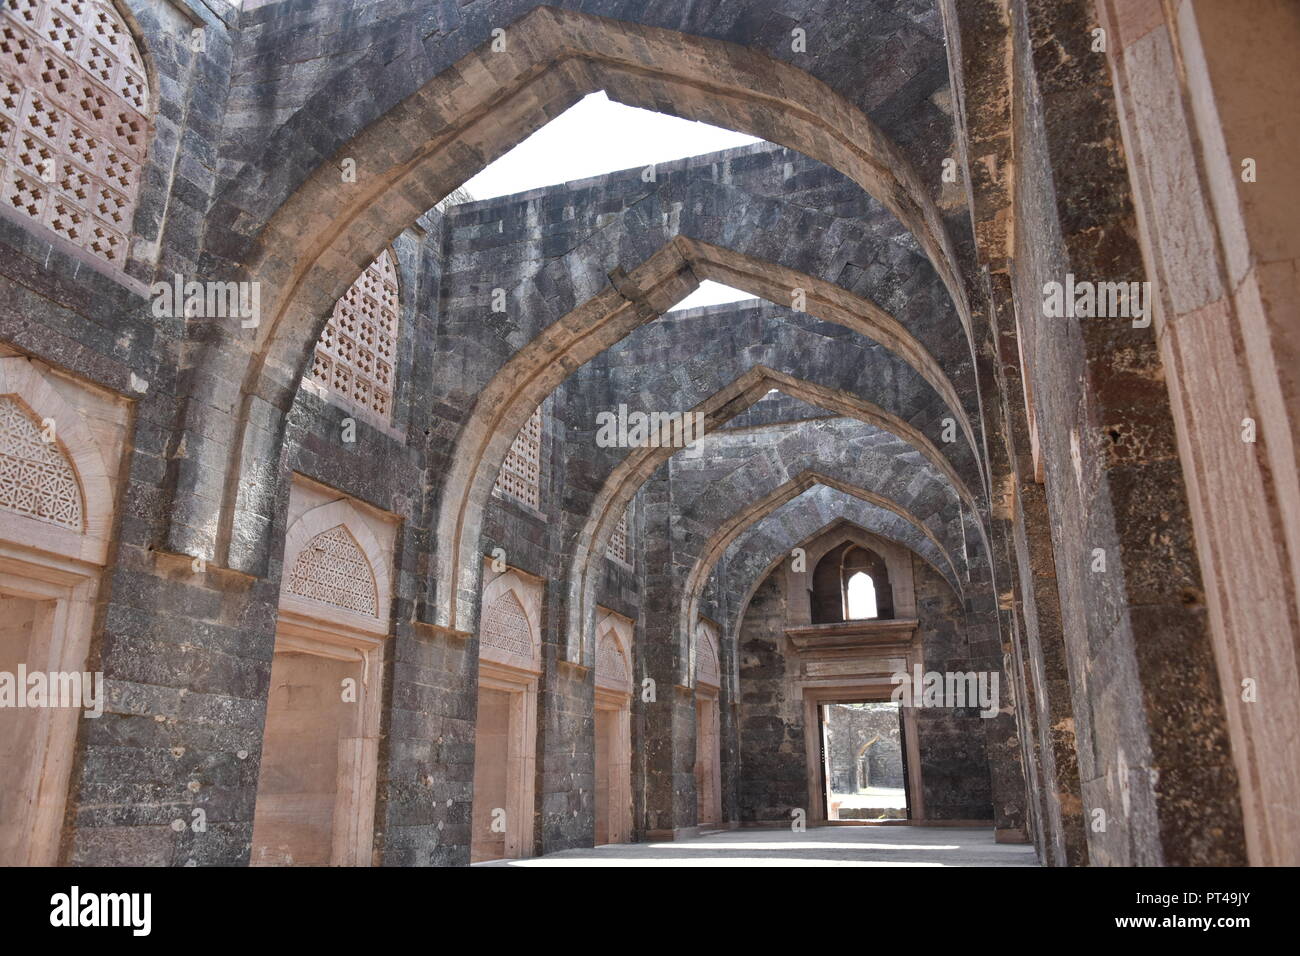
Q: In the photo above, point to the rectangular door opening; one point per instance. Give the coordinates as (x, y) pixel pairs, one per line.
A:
(863, 761)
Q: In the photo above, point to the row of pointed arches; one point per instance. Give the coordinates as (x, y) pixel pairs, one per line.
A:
(333, 326)
(58, 44)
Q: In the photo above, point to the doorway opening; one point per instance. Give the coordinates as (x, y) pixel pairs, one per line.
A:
(613, 762)
(708, 763)
(504, 765)
(863, 761)
(24, 637)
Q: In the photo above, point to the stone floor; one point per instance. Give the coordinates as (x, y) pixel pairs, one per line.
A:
(871, 798)
(822, 846)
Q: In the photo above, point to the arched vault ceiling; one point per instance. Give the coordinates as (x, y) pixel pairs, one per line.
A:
(416, 124)
(733, 477)
(551, 253)
(769, 540)
(682, 358)
(638, 297)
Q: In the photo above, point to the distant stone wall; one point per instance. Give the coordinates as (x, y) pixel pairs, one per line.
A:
(773, 778)
(865, 746)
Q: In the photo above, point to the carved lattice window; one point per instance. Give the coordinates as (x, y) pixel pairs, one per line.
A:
(520, 475)
(357, 350)
(73, 120)
(706, 656)
(617, 548)
(505, 630)
(36, 478)
(611, 666)
(333, 570)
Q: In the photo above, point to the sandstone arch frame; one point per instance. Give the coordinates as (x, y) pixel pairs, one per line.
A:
(321, 519)
(321, 640)
(613, 716)
(505, 760)
(50, 582)
(478, 108)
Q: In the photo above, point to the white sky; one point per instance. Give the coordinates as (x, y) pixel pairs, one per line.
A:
(596, 136)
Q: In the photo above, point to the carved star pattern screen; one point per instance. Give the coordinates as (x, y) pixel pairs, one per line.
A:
(73, 120)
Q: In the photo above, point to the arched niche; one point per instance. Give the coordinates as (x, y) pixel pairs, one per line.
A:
(505, 729)
(318, 773)
(708, 724)
(61, 444)
(896, 559)
(833, 582)
(340, 535)
(510, 628)
(613, 728)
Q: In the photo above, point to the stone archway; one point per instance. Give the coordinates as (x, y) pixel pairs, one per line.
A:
(318, 772)
(613, 732)
(807, 518)
(503, 406)
(554, 56)
(736, 524)
(505, 728)
(626, 478)
(60, 446)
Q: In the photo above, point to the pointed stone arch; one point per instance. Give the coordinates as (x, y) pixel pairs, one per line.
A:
(734, 525)
(614, 652)
(84, 493)
(510, 629)
(335, 565)
(622, 483)
(554, 57)
(485, 441)
(522, 383)
(827, 510)
(77, 137)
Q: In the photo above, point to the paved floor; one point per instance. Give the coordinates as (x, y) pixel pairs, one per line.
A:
(820, 846)
(871, 797)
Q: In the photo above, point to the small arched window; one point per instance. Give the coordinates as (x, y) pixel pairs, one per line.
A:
(617, 548)
(851, 583)
(357, 349)
(333, 569)
(859, 597)
(521, 473)
(74, 109)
